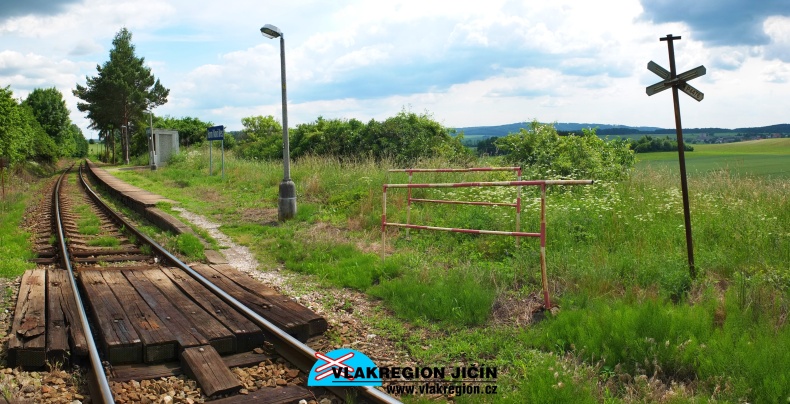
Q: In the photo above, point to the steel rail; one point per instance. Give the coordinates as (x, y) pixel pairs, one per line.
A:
(299, 354)
(99, 378)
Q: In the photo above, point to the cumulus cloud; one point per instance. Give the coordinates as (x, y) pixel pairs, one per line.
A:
(778, 28)
(728, 58)
(777, 73)
(719, 22)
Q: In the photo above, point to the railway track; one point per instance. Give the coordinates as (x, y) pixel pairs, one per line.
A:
(115, 300)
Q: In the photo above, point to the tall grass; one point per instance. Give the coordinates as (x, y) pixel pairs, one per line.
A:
(732, 348)
(15, 246)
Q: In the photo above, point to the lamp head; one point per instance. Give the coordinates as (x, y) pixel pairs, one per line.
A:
(270, 31)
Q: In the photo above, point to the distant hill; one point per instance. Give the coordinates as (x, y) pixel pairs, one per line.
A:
(606, 130)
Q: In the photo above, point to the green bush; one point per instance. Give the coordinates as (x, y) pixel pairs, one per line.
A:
(581, 157)
(406, 138)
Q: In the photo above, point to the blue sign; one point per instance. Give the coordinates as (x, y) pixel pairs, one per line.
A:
(343, 367)
(216, 133)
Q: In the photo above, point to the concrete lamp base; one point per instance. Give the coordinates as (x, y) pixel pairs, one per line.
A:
(286, 208)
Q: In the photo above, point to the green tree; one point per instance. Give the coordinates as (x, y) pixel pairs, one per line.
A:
(335, 137)
(586, 156)
(49, 109)
(21, 136)
(262, 138)
(122, 91)
(488, 147)
(13, 142)
(261, 128)
(191, 130)
(406, 137)
(648, 144)
(80, 144)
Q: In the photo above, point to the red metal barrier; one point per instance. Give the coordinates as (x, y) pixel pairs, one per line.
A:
(518, 234)
(516, 205)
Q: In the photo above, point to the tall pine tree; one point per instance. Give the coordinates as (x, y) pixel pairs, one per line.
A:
(121, 92)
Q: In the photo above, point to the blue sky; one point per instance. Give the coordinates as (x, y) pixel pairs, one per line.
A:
(468, 63)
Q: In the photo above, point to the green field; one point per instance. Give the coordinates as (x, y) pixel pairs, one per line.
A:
(768, 158)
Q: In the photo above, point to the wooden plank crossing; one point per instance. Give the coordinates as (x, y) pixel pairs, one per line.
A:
(26, 345)
(65, 334)
(283, 312)
(316, 323)
(181, 315)
(159, 344)
(248, 335)
(57, 331)
(220, 337)
(118, 338)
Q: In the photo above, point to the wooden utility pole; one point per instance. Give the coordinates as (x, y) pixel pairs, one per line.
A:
(679, 82)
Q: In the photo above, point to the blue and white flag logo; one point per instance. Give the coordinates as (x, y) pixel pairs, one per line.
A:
(343, 367)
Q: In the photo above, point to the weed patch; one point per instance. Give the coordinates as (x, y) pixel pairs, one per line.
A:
(104, 241)
(451, 298)
(189, 245)
(340, 264)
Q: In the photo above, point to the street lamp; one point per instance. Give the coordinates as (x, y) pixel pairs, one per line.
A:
(287, 199)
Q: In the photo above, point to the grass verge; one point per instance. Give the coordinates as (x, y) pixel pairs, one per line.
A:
(15, 247)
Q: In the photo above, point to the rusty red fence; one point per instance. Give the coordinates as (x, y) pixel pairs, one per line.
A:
(518, 234)
(409, 200)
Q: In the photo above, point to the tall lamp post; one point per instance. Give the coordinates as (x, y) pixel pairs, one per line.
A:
(287, 200)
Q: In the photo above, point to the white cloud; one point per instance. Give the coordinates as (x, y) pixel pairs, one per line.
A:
(778, 28)
(469, 63)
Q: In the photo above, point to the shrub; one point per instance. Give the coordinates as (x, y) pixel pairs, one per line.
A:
(586, 156)
(406, 138)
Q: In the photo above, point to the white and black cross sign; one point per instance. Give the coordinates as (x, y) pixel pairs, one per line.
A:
(680, 81)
